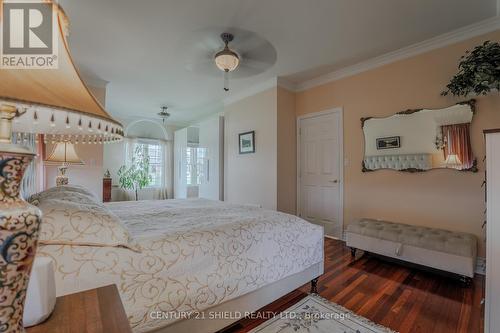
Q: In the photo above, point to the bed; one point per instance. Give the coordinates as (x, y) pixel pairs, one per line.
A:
(176, 261)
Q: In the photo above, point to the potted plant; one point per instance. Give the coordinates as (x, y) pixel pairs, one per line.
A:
(478, 71)
(136, 176)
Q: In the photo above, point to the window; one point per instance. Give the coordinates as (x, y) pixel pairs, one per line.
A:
(153, 150)
(195, 160)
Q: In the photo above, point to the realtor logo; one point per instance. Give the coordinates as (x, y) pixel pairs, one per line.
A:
(29, 35)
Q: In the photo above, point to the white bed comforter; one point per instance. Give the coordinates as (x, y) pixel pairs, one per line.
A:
(195, 254)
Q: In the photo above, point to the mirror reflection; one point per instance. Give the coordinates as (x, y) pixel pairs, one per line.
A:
(420, 140)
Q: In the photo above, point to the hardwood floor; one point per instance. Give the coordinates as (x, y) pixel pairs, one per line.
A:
(401, 298)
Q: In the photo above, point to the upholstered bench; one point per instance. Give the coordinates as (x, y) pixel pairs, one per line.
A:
(440, 249)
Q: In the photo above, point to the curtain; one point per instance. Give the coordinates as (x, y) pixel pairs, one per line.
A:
(164, 191)
(457, 138)
(129, 149)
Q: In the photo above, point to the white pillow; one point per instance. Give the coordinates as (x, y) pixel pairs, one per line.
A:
(74, 193)
(72, 223)
(70, 188)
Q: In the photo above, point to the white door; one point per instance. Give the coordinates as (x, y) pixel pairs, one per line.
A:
(492, 307)
(321, 170)
(211, 138)
(180, 180)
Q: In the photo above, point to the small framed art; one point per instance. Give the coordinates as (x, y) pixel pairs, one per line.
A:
(247, 142)
(389, 143)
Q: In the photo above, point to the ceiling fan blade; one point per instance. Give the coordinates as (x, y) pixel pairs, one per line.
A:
(265, 54)
(209, 44)
(199, 47)
(244, 71)
(256, 63)
(246, 42)
(204, 67)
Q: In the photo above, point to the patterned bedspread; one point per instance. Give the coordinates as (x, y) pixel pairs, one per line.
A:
(195, 254)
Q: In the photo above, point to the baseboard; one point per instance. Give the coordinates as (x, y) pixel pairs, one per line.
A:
(331, 237)
(480, 266)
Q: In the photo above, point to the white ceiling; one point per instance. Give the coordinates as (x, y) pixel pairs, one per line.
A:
(135, 44)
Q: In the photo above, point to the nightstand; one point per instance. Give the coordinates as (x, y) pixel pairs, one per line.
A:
(106, 189)
(97, 310)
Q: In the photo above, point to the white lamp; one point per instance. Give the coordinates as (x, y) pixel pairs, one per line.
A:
(41, 294)
(64, 152)
(453, 162)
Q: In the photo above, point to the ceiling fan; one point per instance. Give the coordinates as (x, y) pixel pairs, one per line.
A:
(164, 114)
(226, 60)
(228, 52)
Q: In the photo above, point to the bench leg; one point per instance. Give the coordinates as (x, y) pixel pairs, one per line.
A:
(466, 281)
(353, 252)
(314, 286)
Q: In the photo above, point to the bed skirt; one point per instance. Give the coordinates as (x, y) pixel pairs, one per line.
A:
(246, 303)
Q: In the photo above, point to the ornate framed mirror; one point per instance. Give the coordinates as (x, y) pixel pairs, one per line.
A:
(420, 140)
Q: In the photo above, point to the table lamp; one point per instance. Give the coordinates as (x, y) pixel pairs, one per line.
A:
(54, 102)
(64, 152)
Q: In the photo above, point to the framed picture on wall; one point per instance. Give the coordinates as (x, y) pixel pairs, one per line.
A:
(247, 142)
(392, 142)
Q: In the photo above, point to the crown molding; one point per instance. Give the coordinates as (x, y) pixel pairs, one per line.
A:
(208, 111)
(258, 88)
(283, 83)
(253, 90)
(126, 120)
(199, 120)
(437, 42)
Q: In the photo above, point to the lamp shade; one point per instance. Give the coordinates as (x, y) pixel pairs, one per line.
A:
(227, 60)
(53, 101)
(64, 152)
(56, 101)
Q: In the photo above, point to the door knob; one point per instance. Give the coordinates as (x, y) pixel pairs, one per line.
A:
(335, 181)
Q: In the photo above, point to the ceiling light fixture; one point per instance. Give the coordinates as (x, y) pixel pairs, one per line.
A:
(164, 114)
(226, 60)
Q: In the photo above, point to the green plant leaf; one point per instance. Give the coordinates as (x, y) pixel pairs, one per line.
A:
(136, 176)
(478, 71)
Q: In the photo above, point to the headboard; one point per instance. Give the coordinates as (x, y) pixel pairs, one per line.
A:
(399, 162)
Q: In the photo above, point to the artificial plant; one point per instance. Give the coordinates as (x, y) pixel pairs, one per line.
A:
(135, 176)
(478, 71)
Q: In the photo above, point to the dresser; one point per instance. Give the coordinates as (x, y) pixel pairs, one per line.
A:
(492, 305)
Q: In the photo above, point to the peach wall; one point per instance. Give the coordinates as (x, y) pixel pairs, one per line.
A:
(439, 198)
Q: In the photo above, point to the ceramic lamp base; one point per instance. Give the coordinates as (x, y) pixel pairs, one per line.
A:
(19, 227)
(61, 178)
